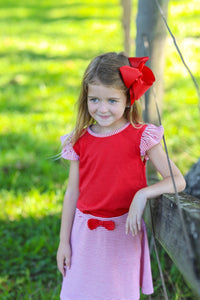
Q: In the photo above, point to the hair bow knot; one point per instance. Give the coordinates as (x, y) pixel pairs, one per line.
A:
(137, 77)
(94, 223)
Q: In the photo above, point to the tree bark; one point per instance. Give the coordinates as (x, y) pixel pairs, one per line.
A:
(150, 41)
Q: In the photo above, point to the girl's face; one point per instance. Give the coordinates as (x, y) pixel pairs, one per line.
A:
(106, 105)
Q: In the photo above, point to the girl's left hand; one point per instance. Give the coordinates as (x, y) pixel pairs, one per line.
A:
(133, 222)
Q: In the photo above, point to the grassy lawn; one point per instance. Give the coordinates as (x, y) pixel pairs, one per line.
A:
(45, 47)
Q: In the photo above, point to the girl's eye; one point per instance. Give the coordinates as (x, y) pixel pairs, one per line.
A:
(112, 101)
(94, 100)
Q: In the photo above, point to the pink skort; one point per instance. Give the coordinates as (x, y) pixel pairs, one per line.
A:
(107, 264)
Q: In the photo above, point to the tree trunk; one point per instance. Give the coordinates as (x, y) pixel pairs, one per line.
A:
(150, 41)
(126, 22)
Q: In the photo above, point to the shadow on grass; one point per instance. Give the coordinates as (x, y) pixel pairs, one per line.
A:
(28, 257)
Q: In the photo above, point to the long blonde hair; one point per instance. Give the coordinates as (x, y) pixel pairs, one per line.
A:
(104, 69)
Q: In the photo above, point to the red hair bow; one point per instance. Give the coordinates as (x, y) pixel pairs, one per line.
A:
(137, 77)
(94, 223)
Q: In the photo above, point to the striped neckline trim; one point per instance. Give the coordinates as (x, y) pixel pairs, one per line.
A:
(116, 131)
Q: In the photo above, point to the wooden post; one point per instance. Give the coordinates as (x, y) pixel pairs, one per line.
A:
(150, 41)
(126, 22)
(168, 231)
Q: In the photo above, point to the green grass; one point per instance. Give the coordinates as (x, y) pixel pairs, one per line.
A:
(45, 47)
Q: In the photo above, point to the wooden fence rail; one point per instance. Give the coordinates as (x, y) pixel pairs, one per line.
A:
(169, 232)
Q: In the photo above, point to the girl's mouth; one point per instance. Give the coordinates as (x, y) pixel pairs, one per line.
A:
(104, 117)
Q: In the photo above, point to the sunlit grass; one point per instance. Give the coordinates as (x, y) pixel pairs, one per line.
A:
(181, 106)
(184, 16)
(33, 204)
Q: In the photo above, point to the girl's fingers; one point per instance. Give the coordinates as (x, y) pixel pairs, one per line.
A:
(130, 226)
(139, 225)
(127, 226)
(61, 268)
(67, 263)
(134, 230)
(64, 258)
(64, 264)
(63, 271)
(133, 226)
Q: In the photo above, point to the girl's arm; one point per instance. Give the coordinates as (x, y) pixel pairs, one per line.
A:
(68, 212)
(159, 160)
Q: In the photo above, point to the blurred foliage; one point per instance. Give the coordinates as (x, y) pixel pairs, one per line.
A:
(45, 47)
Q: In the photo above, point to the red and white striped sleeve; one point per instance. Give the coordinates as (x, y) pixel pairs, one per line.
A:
(151, 136)
(67, 150)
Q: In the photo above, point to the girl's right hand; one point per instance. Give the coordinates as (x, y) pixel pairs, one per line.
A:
(64, 257)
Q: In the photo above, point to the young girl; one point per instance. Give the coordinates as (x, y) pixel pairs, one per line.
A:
(103, 252)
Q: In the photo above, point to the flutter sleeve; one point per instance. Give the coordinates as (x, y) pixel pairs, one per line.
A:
(68, 151)
(151, 136)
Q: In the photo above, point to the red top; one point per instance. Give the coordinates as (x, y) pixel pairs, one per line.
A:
(111, 171)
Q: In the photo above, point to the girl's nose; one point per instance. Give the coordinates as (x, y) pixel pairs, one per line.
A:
(103, 107)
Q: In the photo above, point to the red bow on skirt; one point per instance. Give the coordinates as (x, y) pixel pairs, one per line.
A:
(94, 223)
